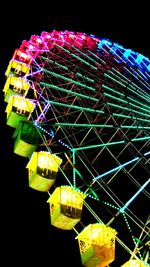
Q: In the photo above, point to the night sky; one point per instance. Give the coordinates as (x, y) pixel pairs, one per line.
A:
(27, 236)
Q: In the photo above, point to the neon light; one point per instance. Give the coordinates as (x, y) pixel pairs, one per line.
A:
(98, 145)
(76, 107)
(68, 91)
(68, 79)
(115, 169)
(83, 125)
(134, 196)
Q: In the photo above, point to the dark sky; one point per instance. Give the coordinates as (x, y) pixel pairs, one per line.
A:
(28, 237)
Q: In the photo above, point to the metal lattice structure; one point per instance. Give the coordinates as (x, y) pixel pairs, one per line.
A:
(91, 99)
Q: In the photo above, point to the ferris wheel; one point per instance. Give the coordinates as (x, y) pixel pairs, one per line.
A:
(79, 107)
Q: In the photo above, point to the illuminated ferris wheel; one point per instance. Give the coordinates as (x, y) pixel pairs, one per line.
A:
(79, 107)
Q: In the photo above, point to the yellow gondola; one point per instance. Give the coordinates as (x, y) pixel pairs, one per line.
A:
(18, 109)
(42, 170)
(97, 245)
(16, 68)
(66, 205)
(15, 85)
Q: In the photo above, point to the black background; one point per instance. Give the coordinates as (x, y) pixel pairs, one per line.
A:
(26, 234)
